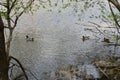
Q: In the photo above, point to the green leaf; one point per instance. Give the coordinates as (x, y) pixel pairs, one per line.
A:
(66, 5)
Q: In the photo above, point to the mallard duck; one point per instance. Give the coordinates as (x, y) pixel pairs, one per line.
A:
(29, 38)
(85, 38)
(106, 40)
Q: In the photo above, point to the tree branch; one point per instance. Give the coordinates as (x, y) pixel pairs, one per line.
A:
(11, 67)
(95, 24)
(8, 13)
(13, 4)
(17, 17)
(6, 27)
(97, 27)
(114, 17)
(10, 57)
(115, 3)
(18, 77)
(13, 64)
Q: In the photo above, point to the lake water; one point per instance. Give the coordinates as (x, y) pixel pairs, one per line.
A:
(57, 42)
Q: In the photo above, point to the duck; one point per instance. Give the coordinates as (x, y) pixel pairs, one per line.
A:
(29, 38)
(85, 38)
(106, 40)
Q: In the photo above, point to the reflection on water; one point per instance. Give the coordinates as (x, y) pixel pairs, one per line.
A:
(55, 48)
(57, 43)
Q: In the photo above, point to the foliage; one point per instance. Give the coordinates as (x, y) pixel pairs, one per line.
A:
(81, 7)
(12, 10)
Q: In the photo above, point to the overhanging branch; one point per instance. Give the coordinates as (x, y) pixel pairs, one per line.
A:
(10, 57)
(17, 17)
(114, 17)
(115, 3)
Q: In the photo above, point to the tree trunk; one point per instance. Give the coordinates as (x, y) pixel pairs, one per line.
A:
(3, 55)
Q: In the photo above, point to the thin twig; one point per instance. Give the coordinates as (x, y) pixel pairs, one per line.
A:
(11, 67)
(97, 27)
(19, 76)
(102, 71)
(114, 17)
(26, 70)
(13, 4)
(95, 24)
(17, 17)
